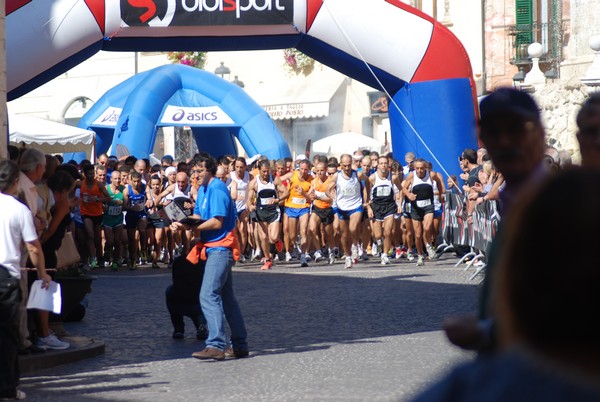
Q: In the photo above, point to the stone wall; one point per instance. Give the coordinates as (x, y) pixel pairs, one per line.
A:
(560, 102)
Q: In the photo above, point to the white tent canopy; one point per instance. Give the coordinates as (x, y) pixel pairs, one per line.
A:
(49, 136)
(345, 143)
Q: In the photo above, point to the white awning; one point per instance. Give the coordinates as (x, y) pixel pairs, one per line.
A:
(49, 136)
(300, 97)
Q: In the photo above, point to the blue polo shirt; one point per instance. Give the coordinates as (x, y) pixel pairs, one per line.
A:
(214, 200)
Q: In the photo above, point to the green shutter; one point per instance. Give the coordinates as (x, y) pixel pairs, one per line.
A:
(524, 20)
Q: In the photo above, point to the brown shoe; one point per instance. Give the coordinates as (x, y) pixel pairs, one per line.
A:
(236, 353)
(209, 353)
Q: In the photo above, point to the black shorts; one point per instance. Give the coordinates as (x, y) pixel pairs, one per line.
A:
(325, 214)
(417, 214)
(268, 215)
(157, 223)
(132, 220)
(96, 220)
(382, 211)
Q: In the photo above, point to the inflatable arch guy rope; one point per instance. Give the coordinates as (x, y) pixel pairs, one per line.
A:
(384, 43)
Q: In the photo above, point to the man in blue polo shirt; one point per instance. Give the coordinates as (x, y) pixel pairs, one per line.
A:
(216, 209)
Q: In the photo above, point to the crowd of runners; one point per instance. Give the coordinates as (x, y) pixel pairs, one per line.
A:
(359, 206)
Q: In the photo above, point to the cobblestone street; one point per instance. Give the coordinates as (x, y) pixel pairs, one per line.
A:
(316, 333)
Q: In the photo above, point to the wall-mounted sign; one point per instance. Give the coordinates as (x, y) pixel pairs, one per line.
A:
(297, 110)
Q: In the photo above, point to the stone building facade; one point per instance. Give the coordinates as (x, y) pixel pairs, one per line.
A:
(566, 49)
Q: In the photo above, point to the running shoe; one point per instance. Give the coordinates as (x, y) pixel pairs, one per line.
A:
(114, 266)
(288, 256)
(52, 342)
(354, 253)
(375, 250)
(267, 265)
(348, 263)
(303, 261)
(93, 263)
(385, 260)
(318, 255)
(420, 261)
(256, 255)
(430, 251)
(331, 257)
(398, 253)
(410, 256)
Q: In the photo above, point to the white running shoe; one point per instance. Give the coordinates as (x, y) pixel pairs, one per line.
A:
(318, 255)
(331, 257)
(385, 260)
(354, 253)
(348, 264)
(420, 261)
(374, 250)
(410, 256)
(256, 255)
(288, 256)
(430, 251)
(52, 342)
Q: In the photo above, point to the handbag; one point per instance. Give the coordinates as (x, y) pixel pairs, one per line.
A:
(67, 254)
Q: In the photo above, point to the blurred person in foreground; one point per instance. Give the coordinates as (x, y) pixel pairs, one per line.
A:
(511, 130)
(588, 134)
(16, 228)
(545, 302)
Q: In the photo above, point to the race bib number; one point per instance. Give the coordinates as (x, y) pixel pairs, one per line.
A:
(298, 200)
(383, 191)
(349, 191)
(115, 209)
(423, 203)
(266, 201)
(241, 193)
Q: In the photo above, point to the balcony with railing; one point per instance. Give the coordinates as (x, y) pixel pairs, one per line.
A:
(548, 34)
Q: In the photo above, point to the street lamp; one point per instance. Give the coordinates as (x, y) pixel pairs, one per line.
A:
(237, 82)
(519, 77)
(223, 71)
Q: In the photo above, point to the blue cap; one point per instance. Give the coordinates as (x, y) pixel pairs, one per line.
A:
(509, 101)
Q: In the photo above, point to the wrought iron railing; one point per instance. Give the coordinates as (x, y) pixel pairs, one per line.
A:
(549, 34)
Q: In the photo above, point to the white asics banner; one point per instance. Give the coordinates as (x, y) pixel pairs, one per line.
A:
(195, 116)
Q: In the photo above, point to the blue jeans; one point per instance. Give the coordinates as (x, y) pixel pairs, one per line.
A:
(217, 298)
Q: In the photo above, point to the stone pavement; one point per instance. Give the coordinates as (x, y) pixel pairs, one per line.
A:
(316, 333)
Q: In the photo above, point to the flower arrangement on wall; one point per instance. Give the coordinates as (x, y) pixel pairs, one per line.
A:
(297, 62)
(192, 59)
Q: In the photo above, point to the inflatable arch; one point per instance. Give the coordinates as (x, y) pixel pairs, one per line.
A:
(384, 43)
(177, 95)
